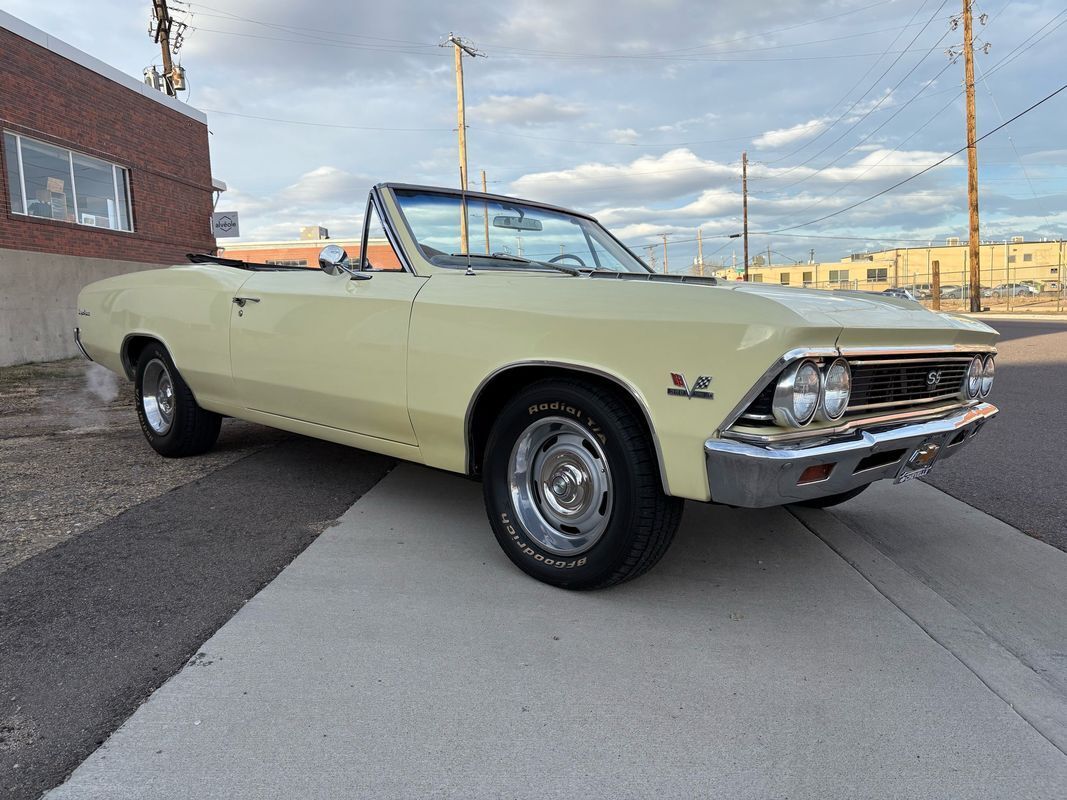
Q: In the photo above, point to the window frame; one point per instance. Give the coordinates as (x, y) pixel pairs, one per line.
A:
(126, 195)
(881, 275)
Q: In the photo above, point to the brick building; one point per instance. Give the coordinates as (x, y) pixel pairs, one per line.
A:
(101, 175)
(305, 252)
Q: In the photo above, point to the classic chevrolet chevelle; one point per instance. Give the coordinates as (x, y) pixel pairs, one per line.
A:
(524, 345)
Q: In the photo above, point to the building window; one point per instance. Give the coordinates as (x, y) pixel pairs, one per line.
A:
(288, 262)
(1028, 256)
(54, 183)
(838, 276)
(784, 278)
(807, 279)
(1011, 259)
(880, 275)
(755, 277)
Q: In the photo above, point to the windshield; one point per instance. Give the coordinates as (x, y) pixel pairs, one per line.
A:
(509, 235)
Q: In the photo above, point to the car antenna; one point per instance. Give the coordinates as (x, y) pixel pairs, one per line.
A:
(463, 224)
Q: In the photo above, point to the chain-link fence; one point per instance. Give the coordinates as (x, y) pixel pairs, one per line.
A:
(1027, 288)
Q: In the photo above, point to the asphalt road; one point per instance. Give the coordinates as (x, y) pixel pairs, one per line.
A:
(1013, 470)
(90, 628)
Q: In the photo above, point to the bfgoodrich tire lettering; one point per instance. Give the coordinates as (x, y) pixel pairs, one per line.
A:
(170, 418)
(572, 486)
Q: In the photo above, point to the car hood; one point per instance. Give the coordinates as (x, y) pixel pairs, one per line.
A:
(866, 318)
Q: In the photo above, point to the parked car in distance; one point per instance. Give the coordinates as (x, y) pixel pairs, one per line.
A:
(1014, 290)
(899, 291)
(522, 345)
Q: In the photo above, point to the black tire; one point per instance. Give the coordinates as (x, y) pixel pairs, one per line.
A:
(191, 429)
(832, 499)
(637, 520)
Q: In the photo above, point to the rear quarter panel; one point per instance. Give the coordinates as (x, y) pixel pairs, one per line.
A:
(187, 308)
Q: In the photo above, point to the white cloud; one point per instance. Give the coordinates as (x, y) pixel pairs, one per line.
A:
(784, 136)
(536, 109)
(623, 135)
(647, 178)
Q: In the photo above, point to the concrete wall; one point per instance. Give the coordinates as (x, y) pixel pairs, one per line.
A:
(38, 301)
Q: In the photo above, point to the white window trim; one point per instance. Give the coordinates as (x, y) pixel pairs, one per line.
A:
(73, 189)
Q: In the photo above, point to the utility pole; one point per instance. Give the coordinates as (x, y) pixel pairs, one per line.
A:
(972, 159)
(651, 255)
(486, 191)
(460, 47)
(768, 255)
(700, 253)
(664, 254)
(162, 37)
(744, 205)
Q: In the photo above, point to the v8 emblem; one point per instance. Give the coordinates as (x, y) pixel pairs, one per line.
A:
(681, 388)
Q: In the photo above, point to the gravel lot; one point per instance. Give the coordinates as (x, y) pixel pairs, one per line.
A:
(72, 455)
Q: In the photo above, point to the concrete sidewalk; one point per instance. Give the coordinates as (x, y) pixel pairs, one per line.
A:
(402, 655)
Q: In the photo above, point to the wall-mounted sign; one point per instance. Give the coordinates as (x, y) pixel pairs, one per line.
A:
(225, 223)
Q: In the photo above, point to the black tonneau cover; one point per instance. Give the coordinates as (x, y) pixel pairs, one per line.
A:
(205, 258)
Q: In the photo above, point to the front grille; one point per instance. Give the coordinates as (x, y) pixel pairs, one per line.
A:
(883, 384)
(893, 382)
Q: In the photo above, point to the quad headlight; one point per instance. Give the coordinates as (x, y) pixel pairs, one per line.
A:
(988, 373)
(797, 395)
(972, 381)
(837, 387)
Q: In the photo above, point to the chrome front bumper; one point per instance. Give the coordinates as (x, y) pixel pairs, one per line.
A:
(760, 475)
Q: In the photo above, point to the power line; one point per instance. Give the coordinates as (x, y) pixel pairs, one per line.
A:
(926, 169)
(845, 96)
(885, 96)
(318, 124)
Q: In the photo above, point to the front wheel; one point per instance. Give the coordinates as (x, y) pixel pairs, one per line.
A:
(572, 487)
(170, 418)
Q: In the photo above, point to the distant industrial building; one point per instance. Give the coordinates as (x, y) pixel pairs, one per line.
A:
(100, 175)
(1038, 263)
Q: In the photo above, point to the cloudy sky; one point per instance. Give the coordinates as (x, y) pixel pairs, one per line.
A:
(634, 110)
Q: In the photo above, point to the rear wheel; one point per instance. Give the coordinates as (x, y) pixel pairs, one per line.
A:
(170, 418)
(572, 487)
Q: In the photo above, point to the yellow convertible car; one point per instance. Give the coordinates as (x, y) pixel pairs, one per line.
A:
(523, 345)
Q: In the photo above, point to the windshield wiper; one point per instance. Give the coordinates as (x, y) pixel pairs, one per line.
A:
(520, 259)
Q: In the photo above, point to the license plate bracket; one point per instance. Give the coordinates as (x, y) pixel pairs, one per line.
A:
(920, 462)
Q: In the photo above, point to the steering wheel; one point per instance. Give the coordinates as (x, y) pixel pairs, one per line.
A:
(562, 256)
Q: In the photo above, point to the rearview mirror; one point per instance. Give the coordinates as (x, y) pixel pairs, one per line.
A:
(518, 223)
(333, 259)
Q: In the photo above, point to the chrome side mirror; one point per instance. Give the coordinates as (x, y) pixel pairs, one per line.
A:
(333, 260)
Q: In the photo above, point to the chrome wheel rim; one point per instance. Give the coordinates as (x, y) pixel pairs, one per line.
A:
(561, 485)
(157, 396)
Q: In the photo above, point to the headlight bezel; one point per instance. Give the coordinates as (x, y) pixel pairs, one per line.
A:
(783, 405)
(973, 375)
(989, 374)
(824, 414)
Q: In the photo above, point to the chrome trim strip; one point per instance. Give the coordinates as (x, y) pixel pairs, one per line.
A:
(78, 341)
(907, 402)
(751, 476)
(471, 194)
(934, 360)
(848, 427)
(772, 372)
(390, 233)
(918, 348)
(577, 368)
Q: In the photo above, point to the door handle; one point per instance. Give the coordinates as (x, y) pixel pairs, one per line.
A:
(240, 301)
